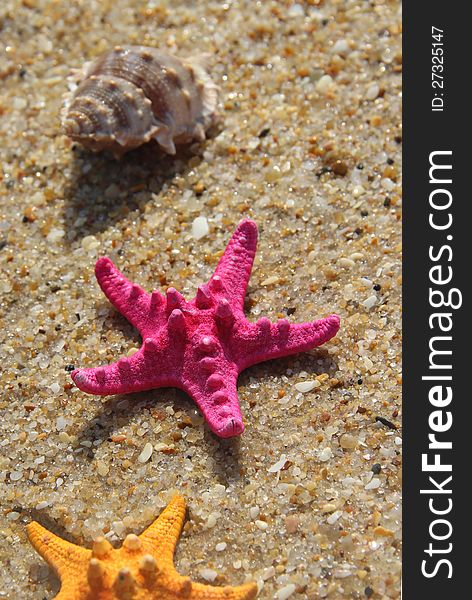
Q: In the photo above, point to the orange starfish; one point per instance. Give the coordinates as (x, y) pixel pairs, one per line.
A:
(142, 569)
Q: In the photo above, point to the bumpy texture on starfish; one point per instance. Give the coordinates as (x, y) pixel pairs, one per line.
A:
(142, 569)
(202, 345)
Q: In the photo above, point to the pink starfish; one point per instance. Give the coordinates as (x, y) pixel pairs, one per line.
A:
(199, 346)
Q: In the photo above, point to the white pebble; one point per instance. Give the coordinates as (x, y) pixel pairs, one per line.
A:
(19, 103)
(370, 302)
(55, 387)
(324, 84)
(334, 517)
(267, 573)
(340, 47)
(16, 475)
(42, 505)
(55, 235)
(220, 547)
(270, 280)
(296, 10)
(254, 512)
(387, 184)
(90, 242)
(212, 519)
(262, 525)
(200, 228)
(306, 386)
(61, 423)
(13, 515)
(208, 574)
(286, 591)
(325, 454)
(372, 91)
(278, 465)
(118, 527)
(346, 262)
(373, 485)
(146, 453)
(398, 441)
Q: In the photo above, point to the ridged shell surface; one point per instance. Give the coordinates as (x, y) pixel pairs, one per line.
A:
(133, 94)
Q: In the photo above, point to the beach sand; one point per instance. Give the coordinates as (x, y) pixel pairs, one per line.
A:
(310, 148)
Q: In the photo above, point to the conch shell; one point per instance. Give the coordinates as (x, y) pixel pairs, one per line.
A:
(133, 94)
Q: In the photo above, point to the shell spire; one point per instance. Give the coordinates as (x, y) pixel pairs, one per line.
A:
(133, 94)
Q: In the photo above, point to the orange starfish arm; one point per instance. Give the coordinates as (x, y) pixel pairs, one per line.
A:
(162, 536)
(209, 592)
(60, 554)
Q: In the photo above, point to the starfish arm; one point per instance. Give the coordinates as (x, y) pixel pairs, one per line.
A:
(234, 269)
(160, 538)
(261, 341)
(213, 387)
(128, 298)
(66, 594)
(247, 591)
(60, 554)
(132, 374)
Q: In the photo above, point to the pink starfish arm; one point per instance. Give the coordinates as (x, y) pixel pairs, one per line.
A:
(140, 308)
(234, 268)
(265, 340)
(217, 398)
(133, 374)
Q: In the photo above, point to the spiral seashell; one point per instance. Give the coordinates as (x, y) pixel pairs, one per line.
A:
(133, 94)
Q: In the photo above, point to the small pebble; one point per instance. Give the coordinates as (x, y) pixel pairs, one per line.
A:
(372, 91)
(373, 484)
(324, 84)
(146, 453)
(212, 519)
(55, 235)
(296, 10)
(348, 442)
(325, 454)
(340, 47)
(262, 525)
(90, 242)
(387, 184)
(200, 228)
(102, 468)
(278, 465)
(334, 517)
(291, 523)
(208, 574)
(346, 263)
(254, 512)
(286, 591)
(220, 547)
(339, 167)
(61, 423)
(370, 302)
(306, 386)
